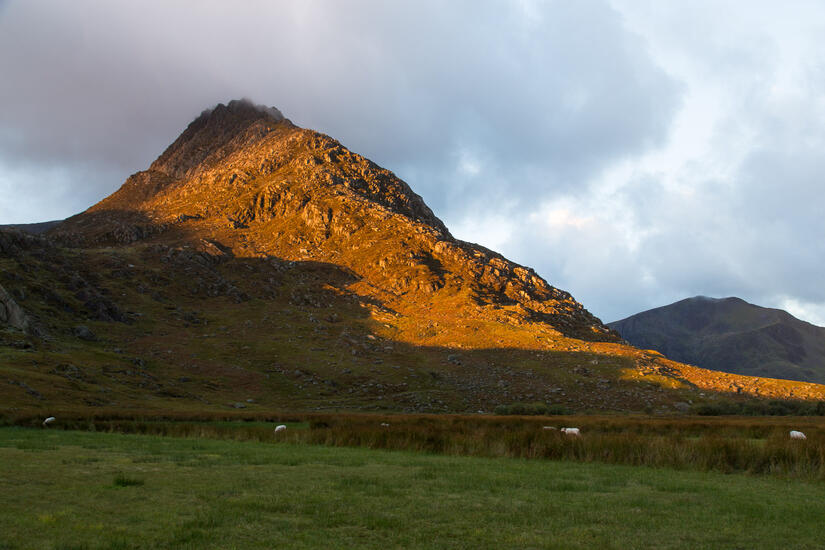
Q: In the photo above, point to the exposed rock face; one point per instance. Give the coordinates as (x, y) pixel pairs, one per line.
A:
(37, 273)
(10, 313)
(260, 186)
(12, 243)
(214, 135)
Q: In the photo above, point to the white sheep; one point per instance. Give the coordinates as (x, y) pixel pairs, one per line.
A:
(571, 431)
(385, 425)
(797, 435)
(549, 428)
(49, 421)
(280, 428)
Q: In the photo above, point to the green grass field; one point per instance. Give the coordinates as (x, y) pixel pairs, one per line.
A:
(79, 490)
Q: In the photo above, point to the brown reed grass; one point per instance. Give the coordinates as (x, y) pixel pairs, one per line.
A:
(730, 444)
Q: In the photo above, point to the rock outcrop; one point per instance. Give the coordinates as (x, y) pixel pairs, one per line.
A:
(258, 185)
(10, 313)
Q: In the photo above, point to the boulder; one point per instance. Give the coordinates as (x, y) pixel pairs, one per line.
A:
(10, 313)
(84, 333)
(681, 406)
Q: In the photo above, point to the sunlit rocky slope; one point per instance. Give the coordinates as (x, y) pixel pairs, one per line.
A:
(259, 265)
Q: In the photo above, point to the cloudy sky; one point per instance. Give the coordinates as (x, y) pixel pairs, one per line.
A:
(633, 152)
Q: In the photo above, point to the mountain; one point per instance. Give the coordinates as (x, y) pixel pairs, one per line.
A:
(34, 228)
(260, 265)
(243, 178)
(731, 335)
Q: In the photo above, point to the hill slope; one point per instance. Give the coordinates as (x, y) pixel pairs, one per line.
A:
(731, 335)
(257, 264)
(34, 228)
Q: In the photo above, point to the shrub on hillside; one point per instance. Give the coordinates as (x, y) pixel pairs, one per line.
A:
(530, 409)
(774, 407)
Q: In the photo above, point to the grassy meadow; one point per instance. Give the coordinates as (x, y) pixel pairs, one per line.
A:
(84, 490)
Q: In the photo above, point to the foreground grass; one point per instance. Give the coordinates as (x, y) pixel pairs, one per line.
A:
(75, 490)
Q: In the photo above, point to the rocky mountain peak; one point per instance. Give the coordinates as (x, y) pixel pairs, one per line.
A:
(215, 134)
(245, 162)
(244, 178)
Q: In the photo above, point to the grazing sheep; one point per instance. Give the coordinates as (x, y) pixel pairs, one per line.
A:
(571, 431)
(549, 428)
(280, 428)
(385, 425)
(49, 421)
(797, 435)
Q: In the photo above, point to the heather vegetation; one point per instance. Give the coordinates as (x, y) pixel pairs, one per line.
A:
(82, 490)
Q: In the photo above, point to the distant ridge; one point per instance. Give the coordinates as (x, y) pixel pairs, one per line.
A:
(731, 335)
(33, 228)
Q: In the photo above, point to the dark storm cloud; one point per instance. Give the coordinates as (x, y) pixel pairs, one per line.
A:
(542, 94)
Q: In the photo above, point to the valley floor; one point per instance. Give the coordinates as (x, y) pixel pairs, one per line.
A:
(82, 490)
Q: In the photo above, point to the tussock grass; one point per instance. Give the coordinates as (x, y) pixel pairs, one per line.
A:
(122, 480)
(757, 447)
(727, 444)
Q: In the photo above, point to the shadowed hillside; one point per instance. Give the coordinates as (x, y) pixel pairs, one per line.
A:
(731, 335)
(34, 228)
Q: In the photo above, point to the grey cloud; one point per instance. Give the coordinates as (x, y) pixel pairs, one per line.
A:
(546, 99)
(759, 235)
(743, 220)
(782, 199)
(489, 110)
